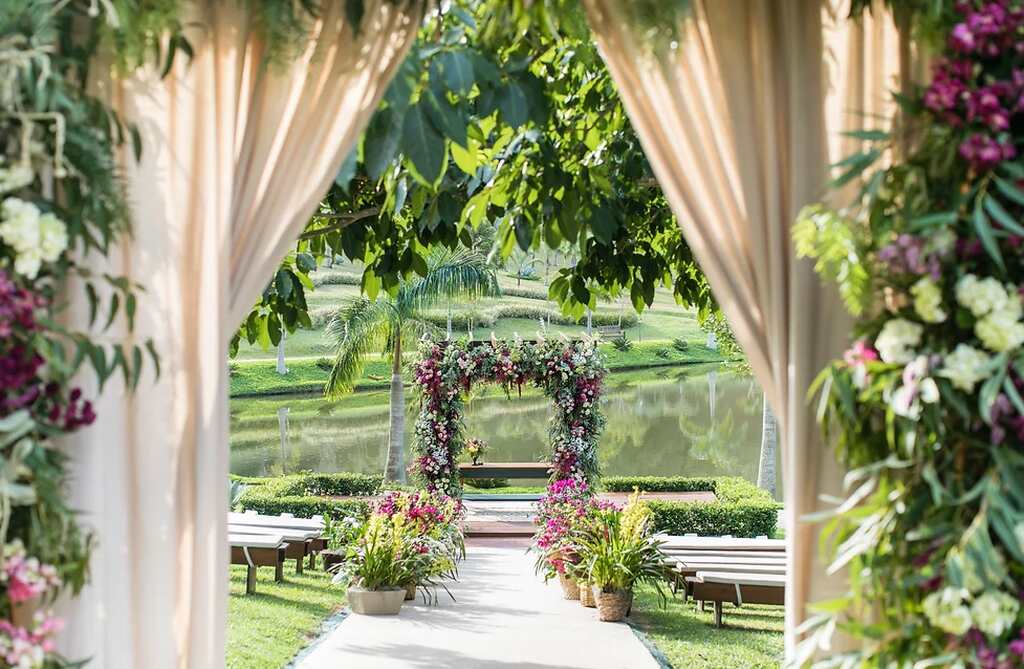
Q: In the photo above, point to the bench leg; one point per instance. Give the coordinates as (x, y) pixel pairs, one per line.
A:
(703, 608)
(718, 614)
(250, 580)
(312, 560)
(279, 571)
(298, 565)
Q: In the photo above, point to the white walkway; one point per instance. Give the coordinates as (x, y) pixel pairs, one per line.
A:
(505, 617)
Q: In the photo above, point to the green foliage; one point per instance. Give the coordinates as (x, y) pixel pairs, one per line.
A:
(488, 484)
(822, 234)
(323, 485)
(680, 344)
(487, 318)
(504, 120)
(263, 500)
(364, 326)
(742, 509)
(622, 343)
(663, 353)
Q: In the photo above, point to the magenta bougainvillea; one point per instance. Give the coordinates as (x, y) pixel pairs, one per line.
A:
(569, 372)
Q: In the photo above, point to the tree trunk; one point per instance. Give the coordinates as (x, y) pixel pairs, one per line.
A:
(282, 369)
(589, 322)
(395, 468)
(769, 445)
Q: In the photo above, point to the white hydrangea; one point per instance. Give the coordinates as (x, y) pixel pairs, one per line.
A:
(995, 612)
(965, 367)
(1001, 330)
(928, 300)
(980, 296)
(946, 610)
(895, 343)
(35, 237)
(14, 177)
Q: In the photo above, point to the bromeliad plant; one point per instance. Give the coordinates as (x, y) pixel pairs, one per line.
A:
(926, 406)
(569, 372)
(617, 550)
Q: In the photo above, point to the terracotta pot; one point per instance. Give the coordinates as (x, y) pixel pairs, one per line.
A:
(587, 596)
(570, 589)
(410, 592)
(613, 606)
(22, 613)
(386, 602)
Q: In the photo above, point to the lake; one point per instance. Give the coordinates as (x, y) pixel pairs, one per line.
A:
(689, 421)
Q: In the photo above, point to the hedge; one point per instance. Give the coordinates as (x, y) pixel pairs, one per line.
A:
(490, 316)
(260, 500)
(742, 509)
(328, 485)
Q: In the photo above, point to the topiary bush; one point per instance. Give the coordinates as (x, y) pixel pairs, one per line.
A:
(344, 484)
(622, 343)
(259, 499)
(742, 509)
(680, 344)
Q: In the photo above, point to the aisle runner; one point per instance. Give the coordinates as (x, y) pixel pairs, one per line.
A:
(505, 618)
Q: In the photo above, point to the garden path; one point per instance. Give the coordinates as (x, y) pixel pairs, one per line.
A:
(505, 617)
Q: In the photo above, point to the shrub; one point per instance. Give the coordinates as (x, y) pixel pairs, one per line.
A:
(680, 344)
(337, 484)
(528, 293)
(329, 278)
(742, 509)
(232, 369)
(319, 318)
(324, 364)
(487, 484)
(663, 353)
(622, 343)
(259, 499)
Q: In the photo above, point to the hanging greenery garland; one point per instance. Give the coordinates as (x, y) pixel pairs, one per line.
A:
(569, 372)
(926, 406)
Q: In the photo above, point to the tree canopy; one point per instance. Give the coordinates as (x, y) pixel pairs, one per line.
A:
(499, 117)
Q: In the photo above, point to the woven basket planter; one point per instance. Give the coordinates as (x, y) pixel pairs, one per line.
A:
(587, 596)
(613, 606)
(570, 589)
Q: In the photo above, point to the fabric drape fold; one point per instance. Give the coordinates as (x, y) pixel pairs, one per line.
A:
(739, 112)
(236, 154)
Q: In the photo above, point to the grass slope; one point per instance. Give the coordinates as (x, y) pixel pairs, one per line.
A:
(305, 375)
(267, 629)
(752, 637)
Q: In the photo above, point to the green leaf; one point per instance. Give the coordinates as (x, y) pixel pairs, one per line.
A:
(485, 70)
(466, 159)
(347, 170)
(283, 284)
(115, 304)
(997, 212)
(512, 104)
(458, 71)
(422, 144)
(524, 233)
(603, 224)
(1010, 190)
(381, 141)
(987, 236)
(933, 220)
(867, 135)
(447, 120)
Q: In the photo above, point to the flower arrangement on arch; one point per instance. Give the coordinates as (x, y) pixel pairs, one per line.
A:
(926, 406)
(569, 372)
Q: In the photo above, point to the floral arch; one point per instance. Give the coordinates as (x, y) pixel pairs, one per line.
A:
(569, 371)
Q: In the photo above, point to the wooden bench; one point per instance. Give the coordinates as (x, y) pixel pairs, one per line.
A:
(299, 541)
(506, 470)
(673, 544)
(610, 331)
(315, 546)
(257, 550)
(738, 588)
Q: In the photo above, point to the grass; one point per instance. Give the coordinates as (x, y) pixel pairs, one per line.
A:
(267, 629)
(752, 637)
(259, 377)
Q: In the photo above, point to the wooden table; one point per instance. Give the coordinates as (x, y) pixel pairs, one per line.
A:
(506, 470)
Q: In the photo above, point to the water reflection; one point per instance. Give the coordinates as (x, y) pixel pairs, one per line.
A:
(691, 421)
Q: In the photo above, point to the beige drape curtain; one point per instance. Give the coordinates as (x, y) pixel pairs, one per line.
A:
(740, 120)
(236, 155)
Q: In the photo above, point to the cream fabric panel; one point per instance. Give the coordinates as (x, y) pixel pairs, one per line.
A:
(235, 158)
(739, 120)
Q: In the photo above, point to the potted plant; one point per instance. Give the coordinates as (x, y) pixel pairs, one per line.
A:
(617, 552)
(558, 514)
(376, 567)
(476, 448)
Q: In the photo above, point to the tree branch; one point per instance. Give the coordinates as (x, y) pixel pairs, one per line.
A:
(343, 221)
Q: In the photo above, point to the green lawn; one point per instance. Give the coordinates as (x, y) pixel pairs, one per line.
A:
(751, 639)
(308, 375)
(267, 629)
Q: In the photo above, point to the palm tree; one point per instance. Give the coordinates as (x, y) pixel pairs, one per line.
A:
(390, 324)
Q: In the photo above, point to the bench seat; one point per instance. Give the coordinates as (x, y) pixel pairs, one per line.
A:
(737, 587)
(258, 550)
